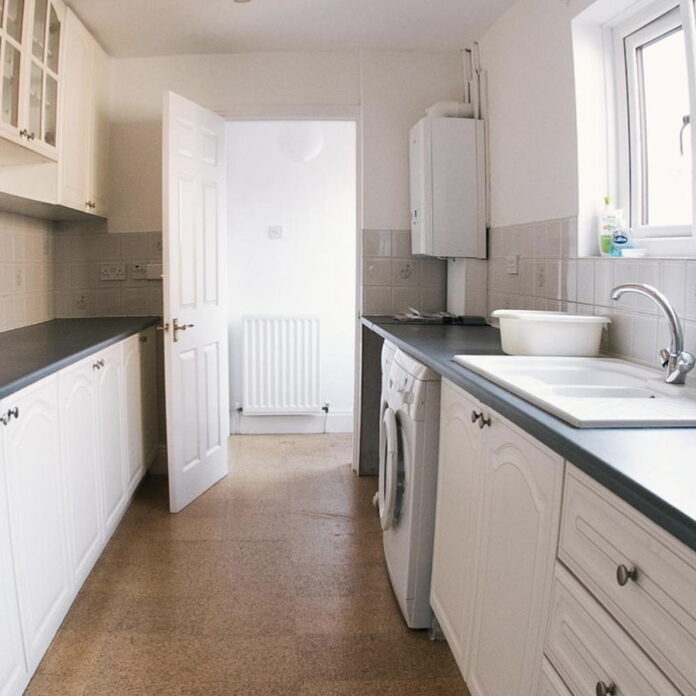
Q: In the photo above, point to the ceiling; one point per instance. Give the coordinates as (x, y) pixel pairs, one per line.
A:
(129, 28)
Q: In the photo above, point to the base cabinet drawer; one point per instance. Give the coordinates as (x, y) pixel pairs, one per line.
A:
(590, 651)
(551, 684)
(644, 577)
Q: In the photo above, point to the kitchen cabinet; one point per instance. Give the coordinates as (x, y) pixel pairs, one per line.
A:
(495, 546)
(85, 122)
(31, 34)
(64, 464)
(111, 435)
(134, 409)
(77, 391)
(456, 522)
(37, 513)
(13, 667)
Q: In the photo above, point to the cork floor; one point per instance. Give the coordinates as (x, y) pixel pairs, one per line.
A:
(271, 584)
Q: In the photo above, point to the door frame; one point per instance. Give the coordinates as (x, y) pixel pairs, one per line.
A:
(327, 113)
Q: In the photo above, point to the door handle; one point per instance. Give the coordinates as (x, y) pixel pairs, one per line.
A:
(179, 327)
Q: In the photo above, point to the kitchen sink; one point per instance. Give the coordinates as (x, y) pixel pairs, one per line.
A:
(591, 392)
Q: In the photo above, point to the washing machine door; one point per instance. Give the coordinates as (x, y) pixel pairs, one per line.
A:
(388, 470)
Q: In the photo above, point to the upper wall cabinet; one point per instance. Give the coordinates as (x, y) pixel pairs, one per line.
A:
(31, 36)
(85, 145)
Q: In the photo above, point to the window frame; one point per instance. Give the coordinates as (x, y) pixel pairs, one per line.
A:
(627, 36)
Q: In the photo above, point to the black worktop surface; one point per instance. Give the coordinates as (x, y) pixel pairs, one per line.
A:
(34, 352)
(653, 469)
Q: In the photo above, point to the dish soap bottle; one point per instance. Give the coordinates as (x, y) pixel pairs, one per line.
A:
(609, 221)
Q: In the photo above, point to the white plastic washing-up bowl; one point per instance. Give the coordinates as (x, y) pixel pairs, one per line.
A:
(524, 332)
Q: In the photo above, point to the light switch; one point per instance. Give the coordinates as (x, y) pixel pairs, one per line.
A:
(138, 271)
(275, 232)
(512, 264)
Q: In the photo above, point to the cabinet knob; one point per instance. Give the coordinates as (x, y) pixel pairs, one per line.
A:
(24, 133)
(475, 415)
(11, 413)
(31, 136)
(624, 574)
(603, 689)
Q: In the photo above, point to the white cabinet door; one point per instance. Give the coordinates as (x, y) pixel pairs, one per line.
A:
(133, 411)
(112, 451)
(76, 115)
(520, 510)
(37, 514)
(77, 393)
(458, 492)
(99, 134)
(13, 667)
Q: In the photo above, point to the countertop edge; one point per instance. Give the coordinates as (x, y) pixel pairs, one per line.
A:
(522, 414)
(139, 324)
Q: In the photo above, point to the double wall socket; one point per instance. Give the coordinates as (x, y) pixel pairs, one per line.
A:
(112, 271)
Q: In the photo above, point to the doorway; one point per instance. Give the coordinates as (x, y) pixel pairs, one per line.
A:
(291, 265)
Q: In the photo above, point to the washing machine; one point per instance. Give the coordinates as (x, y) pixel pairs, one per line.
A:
(408, 482)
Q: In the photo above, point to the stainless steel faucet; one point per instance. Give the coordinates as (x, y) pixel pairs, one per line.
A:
(676, 361)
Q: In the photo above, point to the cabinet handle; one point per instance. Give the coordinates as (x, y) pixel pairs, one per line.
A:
(98, 365)
(11, 413)
(31, 136)
(624, 574)
(143, 339)
(24, 133)
(475, 415)
(483, 422)
(603, 689)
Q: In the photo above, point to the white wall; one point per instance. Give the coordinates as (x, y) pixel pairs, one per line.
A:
(392, 88)
(528, 56)
(311, 270)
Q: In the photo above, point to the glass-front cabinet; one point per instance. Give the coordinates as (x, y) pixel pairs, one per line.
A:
(30, 53)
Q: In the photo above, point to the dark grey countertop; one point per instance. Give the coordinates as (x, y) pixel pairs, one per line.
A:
(34, 352)
(653, 469)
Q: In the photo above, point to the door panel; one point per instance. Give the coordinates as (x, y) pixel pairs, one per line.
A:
(195, 358)
(456, 524)
(517, 545)
(78, 405)
(112, 451)
(13, 667)
(36, 502)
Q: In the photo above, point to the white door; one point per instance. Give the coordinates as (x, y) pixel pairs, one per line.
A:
(13, 668)
(194, 299)
(77, 396)
(111, 435)
(37, 514)
(520, 511)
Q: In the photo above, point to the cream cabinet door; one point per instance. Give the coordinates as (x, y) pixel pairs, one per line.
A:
(77, 393)
(458, 493)
(112, 450)
(520, 510)
(36, 497)
(133, 410)
(13, 667)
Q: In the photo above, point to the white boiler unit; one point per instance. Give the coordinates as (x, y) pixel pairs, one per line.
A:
(448, 197)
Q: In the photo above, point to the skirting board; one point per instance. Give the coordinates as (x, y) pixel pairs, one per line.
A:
(284, 425)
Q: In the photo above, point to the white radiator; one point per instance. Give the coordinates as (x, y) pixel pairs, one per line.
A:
(281, 365)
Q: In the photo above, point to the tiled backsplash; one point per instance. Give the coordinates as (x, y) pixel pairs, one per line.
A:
(26, 271)
(552, 277)
(394, 280)
(81, 249)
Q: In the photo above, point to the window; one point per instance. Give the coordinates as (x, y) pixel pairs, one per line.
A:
(655, 64)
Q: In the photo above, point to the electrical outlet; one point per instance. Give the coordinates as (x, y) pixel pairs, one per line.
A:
(512, 264)
(138, 271)
(112, 271)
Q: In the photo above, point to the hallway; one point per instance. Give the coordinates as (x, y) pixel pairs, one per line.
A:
(271, 584)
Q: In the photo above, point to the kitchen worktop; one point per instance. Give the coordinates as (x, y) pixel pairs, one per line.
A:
(34, 352)
(653, 469)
